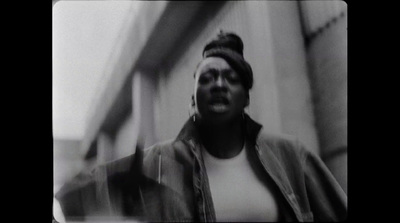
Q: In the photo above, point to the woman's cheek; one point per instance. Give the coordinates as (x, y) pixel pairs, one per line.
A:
(200, 99)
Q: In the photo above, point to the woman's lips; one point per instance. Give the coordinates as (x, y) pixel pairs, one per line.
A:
(218, 108)
(219, 105)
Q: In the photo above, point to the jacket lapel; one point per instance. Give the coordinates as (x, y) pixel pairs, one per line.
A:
(272, 165)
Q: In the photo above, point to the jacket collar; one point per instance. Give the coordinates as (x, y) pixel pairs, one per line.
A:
(190, 134)
(190, 130)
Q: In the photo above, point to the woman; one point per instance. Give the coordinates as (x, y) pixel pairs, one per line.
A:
(220, 167)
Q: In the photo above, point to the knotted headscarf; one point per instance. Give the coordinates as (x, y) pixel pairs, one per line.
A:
(229, 47)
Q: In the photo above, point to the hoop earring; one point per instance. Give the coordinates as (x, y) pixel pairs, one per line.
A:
(245, 111)
(191, 108)
(193, 116)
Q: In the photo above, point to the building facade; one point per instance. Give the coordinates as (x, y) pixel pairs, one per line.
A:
(297, 50)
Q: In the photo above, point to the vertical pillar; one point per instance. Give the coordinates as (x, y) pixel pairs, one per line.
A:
(326, 39)
(292, 81)
(144, 87)
(136, 111)
(104, 148)
(144, 91)
(328, 55)
(147, 106)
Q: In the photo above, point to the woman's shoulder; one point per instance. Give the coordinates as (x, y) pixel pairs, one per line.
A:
(276, 139)
(280, 142)
(157, 147)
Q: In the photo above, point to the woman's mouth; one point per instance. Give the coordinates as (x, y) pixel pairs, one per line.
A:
(219, 105)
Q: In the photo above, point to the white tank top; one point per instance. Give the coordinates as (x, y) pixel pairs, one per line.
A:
(238, 193)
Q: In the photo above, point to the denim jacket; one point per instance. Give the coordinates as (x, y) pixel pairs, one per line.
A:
(168, 182)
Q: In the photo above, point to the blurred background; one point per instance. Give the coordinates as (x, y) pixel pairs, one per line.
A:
(123, 74)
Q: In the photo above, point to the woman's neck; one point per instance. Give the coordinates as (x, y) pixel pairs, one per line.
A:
(223, 141)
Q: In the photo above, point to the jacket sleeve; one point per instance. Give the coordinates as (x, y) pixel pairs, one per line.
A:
(327, 199)
(77, 196)
(101, 192)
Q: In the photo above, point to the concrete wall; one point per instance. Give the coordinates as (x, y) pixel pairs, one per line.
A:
(121, 65)
(293, 84)
(328, 65)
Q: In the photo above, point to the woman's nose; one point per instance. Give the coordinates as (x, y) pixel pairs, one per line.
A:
(220, 82)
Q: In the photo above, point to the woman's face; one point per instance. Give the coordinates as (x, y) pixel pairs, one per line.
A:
(219, 93)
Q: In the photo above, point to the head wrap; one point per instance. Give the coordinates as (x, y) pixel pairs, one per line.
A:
(229, 47)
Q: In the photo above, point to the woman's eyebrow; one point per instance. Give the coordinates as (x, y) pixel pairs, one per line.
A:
(208, 70)
(212, 69)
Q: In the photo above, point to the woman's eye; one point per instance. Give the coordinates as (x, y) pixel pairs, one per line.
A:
(205, 78)
(233, 78)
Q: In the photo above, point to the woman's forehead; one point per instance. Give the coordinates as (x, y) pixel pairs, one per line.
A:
(213, 63)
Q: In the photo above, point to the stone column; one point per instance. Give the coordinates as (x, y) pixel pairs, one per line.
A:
(104, 148)
(327, 60)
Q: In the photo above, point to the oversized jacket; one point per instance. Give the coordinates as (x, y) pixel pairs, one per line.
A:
(168, 182)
